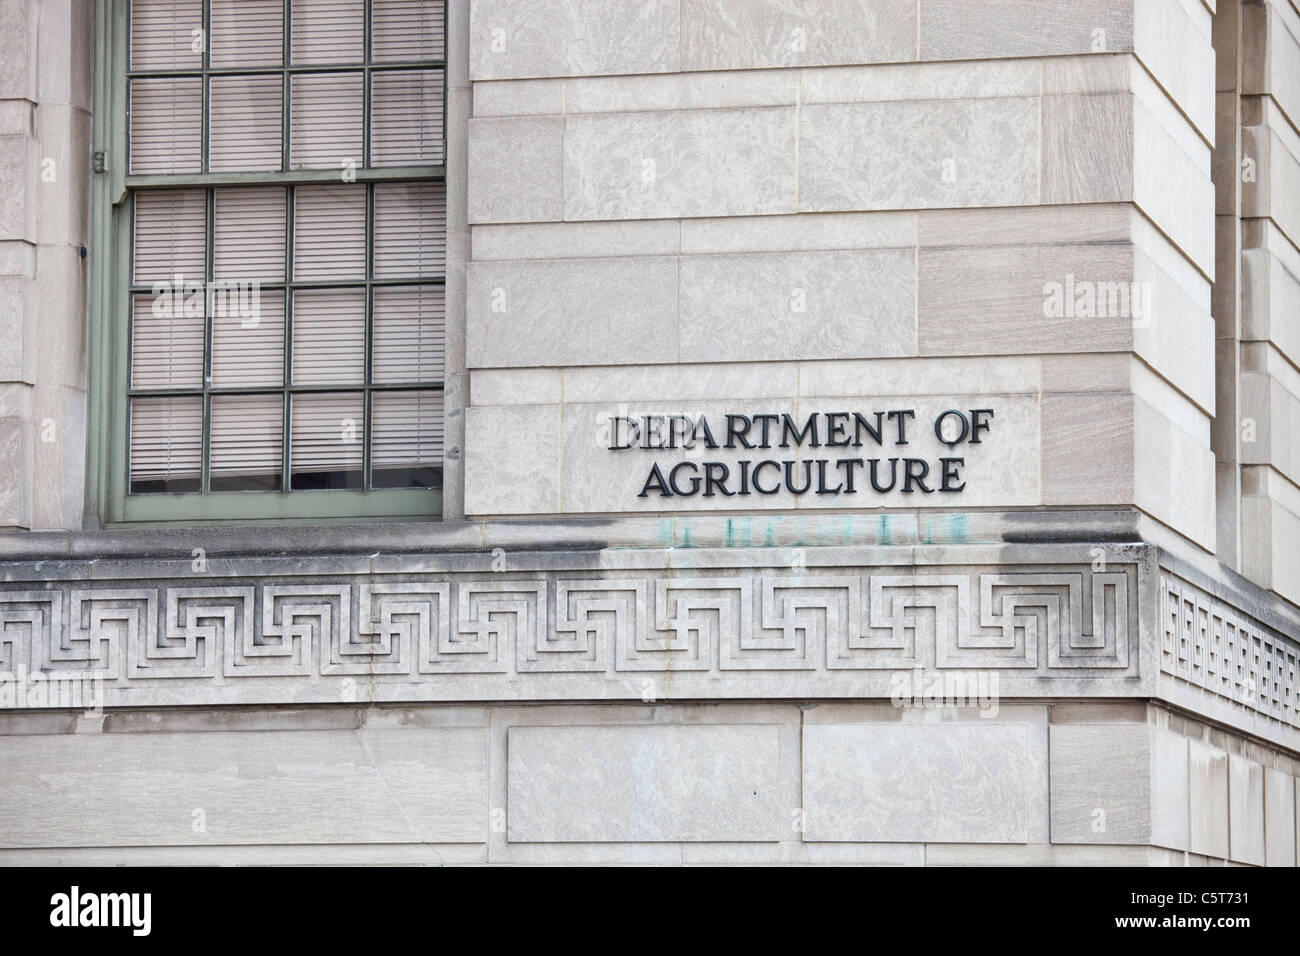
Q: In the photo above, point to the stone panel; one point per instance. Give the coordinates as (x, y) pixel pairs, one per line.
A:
(1279, 818)
(613, 784)
(978, 29)
(1101, 783)
(919, 154)
(1208, 795)
(532, 312)
(512, 38)
(155, 789)
(739, 34)
(515, 169)
(1246, 810)
(684, 163)
(812, 305)
(934, 783)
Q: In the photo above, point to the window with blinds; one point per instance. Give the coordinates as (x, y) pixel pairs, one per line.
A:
(288, 241)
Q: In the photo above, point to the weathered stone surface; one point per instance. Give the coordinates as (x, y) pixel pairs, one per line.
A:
(685, 163)
(812, 305)
(562, 38)
(174, 789)
(919, 154)
(736, 34)
(515, 169)
(643, 784)
(934, 783)
(580, 312)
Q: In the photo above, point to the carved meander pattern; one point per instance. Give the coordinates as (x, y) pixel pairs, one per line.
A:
(417, 629)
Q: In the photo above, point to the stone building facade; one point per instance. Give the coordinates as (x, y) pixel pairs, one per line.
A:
(865, 431)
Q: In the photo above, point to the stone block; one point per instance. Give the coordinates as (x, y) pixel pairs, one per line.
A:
(1246, 810)
(809, 305)
(571, 312)
(1279, 818)
(983, 29)
(512, 460)
(919, 154)
(149, 789)
(741, 34)
(515, 169)
(679, 164)
(927, 783)
(1208, 800)
(624, 784)
(535, 38)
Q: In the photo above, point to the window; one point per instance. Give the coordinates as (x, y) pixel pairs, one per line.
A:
(278, 235)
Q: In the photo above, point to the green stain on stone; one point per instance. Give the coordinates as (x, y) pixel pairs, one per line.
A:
(883, 532)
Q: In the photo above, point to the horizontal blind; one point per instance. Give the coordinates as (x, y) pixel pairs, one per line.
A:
(329, 336)
(166, 125)
(248, 233)
(246, 438)
(169, 234)
(407, 430)
(326, 433)
(405, 117)
(406, 30)
(166, 438)
(410, 230)
(328, 31)
(409, 334)
(325, 119)
(249, 352)
(166, 34)
(329, 232)
(166, 343)
(247, 33)
(245, 125)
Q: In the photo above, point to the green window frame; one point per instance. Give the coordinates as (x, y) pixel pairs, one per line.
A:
(109, 310)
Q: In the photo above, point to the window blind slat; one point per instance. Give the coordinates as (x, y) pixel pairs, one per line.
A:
(249, 234)
(410, 334)
(246, 438)
(407, 430)
(166, 348)
(169, 234)
(329, 232)
(166, 125)
(245, 130)
(247, 33)
(406, 30)
(244, 353)
(327, 31)
(325, 436)
(329, 336)
(163, 34)
(325, 120)
(410, 230)
(165, 437)
(406, 118)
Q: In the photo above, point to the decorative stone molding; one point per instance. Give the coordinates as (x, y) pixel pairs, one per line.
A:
(1050, 621)
(1213, 650)
(733, 625)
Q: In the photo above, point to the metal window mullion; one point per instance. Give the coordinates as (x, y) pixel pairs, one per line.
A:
(205, 454)
(285, 84)
(368, 348)
(205, 121)
(286, 379)
(365, 87)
